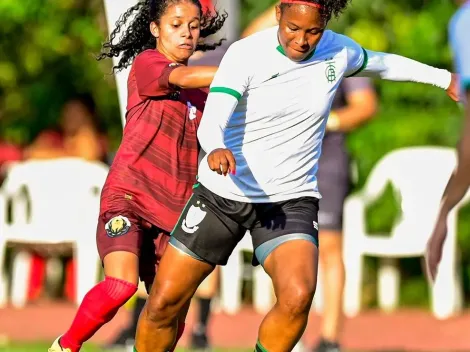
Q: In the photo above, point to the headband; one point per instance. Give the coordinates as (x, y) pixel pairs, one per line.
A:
(302, 2)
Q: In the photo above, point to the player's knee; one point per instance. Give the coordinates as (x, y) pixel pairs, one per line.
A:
(296, 298)
(163, 308)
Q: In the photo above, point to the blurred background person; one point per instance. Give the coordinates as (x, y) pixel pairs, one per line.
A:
(355, 103)
(204, 296)
(459, 181)
(77, 135)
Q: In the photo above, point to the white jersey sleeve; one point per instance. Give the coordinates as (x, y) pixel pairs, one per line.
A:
(368, 63)
(229, 85)
(459, 31)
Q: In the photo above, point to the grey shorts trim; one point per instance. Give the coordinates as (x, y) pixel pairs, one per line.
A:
(265, 249)
(182, 248)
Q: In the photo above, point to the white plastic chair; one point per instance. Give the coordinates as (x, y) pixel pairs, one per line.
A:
(63, 197)
(232, 276)
(419, 176)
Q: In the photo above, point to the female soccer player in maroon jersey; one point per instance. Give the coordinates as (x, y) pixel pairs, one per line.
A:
(154, 169)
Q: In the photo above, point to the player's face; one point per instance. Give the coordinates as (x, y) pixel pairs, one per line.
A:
(178, 31)
(300, 29)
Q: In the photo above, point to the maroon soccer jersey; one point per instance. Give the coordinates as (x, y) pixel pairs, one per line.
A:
(156, 164)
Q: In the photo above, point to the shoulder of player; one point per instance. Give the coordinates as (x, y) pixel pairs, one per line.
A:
(335, 40)
(150, 55)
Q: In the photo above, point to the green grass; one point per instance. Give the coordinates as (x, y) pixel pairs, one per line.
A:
(42, 347)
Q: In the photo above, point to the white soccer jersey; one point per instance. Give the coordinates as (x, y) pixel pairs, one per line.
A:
(271, 112)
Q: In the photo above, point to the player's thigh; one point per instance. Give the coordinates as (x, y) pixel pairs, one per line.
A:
(205, 231)
(289, 253)
(154, 243)
(202, 238)
(178, 277)
(119, 238)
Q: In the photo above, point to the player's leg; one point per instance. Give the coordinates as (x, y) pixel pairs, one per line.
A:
(177, 279)
(149, 266)
(118, 240)
(126, 336)
(199, 241)
(204, 295)
(334, 178)
(333, 275)
(291, 260)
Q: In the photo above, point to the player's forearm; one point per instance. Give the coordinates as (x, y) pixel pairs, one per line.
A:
(460, 180)
(188, 77)
(217, 112)
(398, 68)
(456, 188)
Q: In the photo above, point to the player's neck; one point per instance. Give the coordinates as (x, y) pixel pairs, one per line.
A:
(170, 57)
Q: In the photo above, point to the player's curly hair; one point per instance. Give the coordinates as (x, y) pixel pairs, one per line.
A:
(138, 38)
(329, 7)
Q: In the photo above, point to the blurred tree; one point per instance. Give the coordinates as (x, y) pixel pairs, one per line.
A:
(46, 55)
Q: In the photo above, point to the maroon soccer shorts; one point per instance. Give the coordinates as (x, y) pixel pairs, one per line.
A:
(126, 231)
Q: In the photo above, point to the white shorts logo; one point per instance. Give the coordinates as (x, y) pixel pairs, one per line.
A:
(315, 225)
(194, 217)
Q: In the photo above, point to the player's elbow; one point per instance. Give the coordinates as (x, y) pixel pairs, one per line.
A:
(203, 137)
(182, 77)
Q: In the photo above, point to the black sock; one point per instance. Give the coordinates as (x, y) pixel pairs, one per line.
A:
(204, 313)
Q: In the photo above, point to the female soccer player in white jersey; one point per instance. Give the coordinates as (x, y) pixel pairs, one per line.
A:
(459, 30)
(262, 130)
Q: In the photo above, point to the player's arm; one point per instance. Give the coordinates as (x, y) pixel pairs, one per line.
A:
(230, 83)
(460, 180)
(192, 76)
(368, 63)
(156, 76)
(361, 105)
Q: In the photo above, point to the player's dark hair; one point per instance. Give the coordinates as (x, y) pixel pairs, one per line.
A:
(138, 38)
(328, 9)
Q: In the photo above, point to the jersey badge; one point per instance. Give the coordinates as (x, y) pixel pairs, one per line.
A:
(117, 226)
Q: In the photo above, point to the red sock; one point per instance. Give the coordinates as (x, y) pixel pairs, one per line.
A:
(99, 306)
(178, 335)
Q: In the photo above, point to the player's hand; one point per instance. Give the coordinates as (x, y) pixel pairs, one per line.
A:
(435, 246)
(454, 90)
(221, 161)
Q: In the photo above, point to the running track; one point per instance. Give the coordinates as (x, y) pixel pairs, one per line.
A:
(372, 331)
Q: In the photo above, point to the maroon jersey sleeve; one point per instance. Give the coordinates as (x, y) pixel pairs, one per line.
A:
(152, 71)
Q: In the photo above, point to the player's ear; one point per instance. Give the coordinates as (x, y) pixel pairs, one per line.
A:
(278, 13)
(154, 29)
